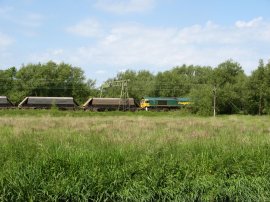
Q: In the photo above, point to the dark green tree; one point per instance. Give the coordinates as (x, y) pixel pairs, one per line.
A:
(53, 79)
(140, 84)
(257, 92)
(229, 81)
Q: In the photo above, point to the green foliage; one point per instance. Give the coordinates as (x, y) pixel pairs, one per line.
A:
(202, 98)
(140, 84)
(229, 79)
(7, 81)
(258, 90)
(179, 81)
(50, 79)
(54, 108)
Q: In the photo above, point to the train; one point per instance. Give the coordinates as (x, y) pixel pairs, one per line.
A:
(99, 104)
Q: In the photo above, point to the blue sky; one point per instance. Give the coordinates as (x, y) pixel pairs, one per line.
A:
(105, 37)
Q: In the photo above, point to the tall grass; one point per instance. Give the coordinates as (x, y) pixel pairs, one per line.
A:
(79, 113)
(134, 158)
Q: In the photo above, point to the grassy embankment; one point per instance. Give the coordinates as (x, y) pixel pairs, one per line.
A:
(135, 157)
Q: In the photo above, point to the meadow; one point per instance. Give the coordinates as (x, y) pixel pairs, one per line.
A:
(84, 156)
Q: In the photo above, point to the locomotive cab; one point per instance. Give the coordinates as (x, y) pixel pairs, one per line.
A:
(144, 103)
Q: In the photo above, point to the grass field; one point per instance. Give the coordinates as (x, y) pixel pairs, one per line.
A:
(59, 156)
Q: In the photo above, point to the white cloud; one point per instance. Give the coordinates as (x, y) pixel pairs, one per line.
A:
(5, 41)
(137, 45)
(21, 18)
(125, 6)
(157, 48)
(57, 52)
(4, 11)
(31, 20)
(86, 28)
(5, 55)
(57, 55)
(25, 22)
(249, 24)
(101, 72)
(29, 1)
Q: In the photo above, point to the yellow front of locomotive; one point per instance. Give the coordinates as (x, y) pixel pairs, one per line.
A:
(144, 103)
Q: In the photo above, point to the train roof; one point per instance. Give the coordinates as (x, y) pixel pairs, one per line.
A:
(48, 101)
(5, 101)
(183, 99)
(107, 101)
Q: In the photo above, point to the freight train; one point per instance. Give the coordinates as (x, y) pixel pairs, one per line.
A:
(99, 104)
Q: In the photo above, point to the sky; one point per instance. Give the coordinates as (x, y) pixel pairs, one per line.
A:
(105, 37)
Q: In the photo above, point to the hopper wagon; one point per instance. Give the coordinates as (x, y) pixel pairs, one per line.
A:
(5, 103)
(110, 104)
(64, 103)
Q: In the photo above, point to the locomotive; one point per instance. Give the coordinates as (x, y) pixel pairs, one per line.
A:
(164, 103)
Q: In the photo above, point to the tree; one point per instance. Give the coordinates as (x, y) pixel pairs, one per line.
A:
(202, 99)
(7, 79)
(257, 90)
(51, 79)
(140, 84)
(229, 80)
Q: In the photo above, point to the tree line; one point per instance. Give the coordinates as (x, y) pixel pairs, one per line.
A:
(227, 84)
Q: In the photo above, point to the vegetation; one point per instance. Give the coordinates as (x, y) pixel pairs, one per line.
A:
(235, 92)
(48, 79)
(56, 157)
